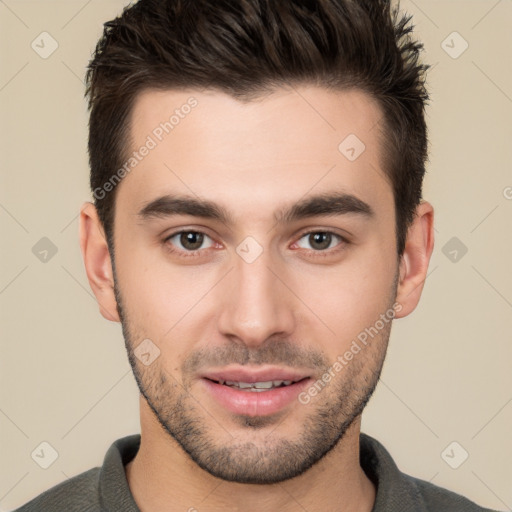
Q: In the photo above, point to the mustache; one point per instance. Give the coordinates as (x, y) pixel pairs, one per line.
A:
(279, 352)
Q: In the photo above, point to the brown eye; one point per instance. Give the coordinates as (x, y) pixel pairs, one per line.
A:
(189, 240)
(319, 240)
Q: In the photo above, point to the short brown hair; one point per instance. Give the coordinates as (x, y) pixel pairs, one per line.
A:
(247, 48)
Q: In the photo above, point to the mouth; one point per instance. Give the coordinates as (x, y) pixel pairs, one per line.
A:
(260, 392)
(257, 386)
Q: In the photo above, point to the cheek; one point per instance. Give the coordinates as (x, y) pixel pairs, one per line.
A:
(351, 296)
(164, 302)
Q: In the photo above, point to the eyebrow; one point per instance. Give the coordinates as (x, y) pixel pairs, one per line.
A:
(326, 204)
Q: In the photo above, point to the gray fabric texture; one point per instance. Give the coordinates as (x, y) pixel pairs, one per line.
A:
(105, 488)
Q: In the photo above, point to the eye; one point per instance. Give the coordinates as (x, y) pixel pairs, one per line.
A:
(189, 241)
(319, 240)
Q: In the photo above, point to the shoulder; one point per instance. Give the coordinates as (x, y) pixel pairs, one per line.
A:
(439, 499)
(95, 490)
(399, 492)
(79, 493)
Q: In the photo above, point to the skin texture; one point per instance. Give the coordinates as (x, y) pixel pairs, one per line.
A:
(299, 305)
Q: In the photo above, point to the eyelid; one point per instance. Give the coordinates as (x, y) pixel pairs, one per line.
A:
(198, 229)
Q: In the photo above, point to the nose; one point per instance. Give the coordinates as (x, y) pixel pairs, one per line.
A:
(256, 304)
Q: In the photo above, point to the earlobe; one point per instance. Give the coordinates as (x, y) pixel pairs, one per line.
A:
(98, 266)
(415, 259)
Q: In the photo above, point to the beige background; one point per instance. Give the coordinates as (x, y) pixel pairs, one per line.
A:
(65, 378)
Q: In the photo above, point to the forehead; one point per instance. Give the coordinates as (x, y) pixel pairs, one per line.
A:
(262, 152)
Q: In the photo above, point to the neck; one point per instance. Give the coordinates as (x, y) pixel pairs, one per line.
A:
(163, 477)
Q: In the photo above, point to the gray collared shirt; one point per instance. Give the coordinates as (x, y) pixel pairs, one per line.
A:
(105, 488)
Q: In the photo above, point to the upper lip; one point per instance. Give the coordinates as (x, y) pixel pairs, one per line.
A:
(256, 375)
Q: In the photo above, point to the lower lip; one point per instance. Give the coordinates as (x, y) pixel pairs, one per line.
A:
(255, 403)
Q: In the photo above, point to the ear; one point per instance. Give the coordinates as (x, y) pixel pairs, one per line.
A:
(415, 259)
(96, 256)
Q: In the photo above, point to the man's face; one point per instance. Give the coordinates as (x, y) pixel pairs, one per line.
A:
(258, 296)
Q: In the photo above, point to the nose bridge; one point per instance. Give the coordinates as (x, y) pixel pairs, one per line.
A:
(258, 305)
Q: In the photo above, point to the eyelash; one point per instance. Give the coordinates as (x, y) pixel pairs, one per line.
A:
(198, 252)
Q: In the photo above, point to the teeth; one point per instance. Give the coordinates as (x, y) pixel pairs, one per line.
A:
(256, 386)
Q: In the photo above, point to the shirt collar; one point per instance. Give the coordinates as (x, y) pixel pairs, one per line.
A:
(395, 491)
(114, 490)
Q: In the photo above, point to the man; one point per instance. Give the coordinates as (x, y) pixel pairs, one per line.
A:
(258, 223)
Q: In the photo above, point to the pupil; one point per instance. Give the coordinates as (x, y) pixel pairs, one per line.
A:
(191, 240)
(323, 240)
